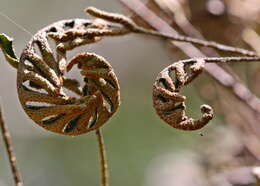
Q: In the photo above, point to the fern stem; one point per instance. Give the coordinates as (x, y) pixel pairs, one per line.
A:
(9, 147)
(103, 160)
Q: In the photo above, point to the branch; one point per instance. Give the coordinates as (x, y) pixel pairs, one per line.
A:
(132, 27)
(9, 147)
(103, 161)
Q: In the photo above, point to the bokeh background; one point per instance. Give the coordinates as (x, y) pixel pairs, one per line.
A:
(141, 149)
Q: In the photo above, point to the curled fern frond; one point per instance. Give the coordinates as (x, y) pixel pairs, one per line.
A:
(42, 81)
(170, 104)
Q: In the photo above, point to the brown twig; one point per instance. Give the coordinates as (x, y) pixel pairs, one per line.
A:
(103, 161)
(132, 27)
(199, 42)
(226, 59)
(239, 90)
(9, 147)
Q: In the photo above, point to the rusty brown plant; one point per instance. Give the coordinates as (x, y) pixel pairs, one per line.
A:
(42, 80)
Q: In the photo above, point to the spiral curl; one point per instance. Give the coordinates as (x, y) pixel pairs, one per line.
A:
(170, 104)
(41, 79)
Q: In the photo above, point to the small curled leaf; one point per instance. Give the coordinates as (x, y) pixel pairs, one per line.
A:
(6, 44)
(170, 104)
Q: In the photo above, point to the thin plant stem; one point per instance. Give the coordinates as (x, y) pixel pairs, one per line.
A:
(225, 59)
(103, 160)
(9, 147)
(132, 27)
(204, 43)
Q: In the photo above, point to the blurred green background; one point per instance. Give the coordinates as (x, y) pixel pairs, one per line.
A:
(135, 137)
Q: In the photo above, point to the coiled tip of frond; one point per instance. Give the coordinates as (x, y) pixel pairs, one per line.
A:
(206, 109)
(92, 10)
(166, 95)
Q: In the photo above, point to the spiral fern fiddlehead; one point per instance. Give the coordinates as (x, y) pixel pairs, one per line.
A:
(41, 80)
(169, 103)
